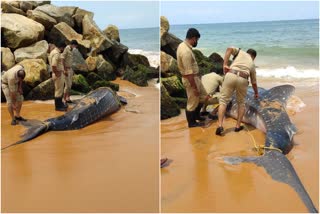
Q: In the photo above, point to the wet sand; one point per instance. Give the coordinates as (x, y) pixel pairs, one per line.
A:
(197, 180)
(109, 166)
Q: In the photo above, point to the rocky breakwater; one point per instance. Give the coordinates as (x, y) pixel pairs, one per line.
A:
(27, 29)
(173, 94)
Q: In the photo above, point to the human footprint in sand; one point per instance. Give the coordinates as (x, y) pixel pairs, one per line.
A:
(236, 79)
(12, 89)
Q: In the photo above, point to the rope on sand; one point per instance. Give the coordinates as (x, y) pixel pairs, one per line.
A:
(261, 148)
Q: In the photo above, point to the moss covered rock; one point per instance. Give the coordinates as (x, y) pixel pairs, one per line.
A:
(169, 65)
(136, 59)
(93, 77)
(204, 63)
(138, 77)
(79, 83)
(112, 32)
(105, 69)
(150, 71)
(180, 101)
(174, 86)
(168, 107)
(43, 91)
(103, 83)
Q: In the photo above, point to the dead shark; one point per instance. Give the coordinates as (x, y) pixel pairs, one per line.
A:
(95, 105)
(268, 113)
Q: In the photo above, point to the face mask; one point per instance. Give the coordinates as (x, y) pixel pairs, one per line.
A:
(195, 43)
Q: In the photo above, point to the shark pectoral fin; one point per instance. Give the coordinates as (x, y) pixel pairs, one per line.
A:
(123, 100)
(280, 169)
(75, 118)
(238, 160)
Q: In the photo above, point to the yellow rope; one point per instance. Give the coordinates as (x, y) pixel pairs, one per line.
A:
(46, 124)
(260, 148)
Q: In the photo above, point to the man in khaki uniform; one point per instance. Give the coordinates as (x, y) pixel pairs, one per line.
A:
(67, 57)
(211, 83)
(57, 69)
(236, 79)
(12, 88)
(189, 70)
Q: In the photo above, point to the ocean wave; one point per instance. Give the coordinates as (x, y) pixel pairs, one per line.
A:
(153, 56)
(288, 72)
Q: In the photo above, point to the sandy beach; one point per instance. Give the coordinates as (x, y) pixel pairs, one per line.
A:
(109, 166)
(197, 180)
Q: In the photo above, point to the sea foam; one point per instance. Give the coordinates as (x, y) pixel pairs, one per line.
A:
(153, 56)
(288, 72)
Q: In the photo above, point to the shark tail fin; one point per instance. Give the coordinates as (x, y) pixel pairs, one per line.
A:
(34, 129)
(280, 169)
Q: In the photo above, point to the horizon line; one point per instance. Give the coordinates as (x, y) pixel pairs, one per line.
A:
(245, 21)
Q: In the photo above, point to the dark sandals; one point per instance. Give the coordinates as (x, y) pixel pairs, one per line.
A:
(219, 131)
(239, 129)
(20, 118)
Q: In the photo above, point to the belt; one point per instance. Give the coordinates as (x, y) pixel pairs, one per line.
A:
(240, 74)
(186, 76)
(5, 83)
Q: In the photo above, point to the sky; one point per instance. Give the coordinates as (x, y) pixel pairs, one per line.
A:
(202, 12)
(123, 14)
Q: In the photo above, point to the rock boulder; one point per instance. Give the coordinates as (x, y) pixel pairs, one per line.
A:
(43, 91)
(79, 83)
(79, 65)
(63, 32)
(91, 31)
(105, 69)
(7, 59)
(112, 32)
(19, 31)
(168, 107)
(174, 86)
(35, 51)
(59, 14)
(36, 71)
(47, 21)
(9, 8)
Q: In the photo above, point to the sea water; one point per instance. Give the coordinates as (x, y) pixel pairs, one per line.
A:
(285, 49)
(143, 41)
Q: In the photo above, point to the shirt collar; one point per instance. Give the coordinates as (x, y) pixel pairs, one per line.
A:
(189, 46)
